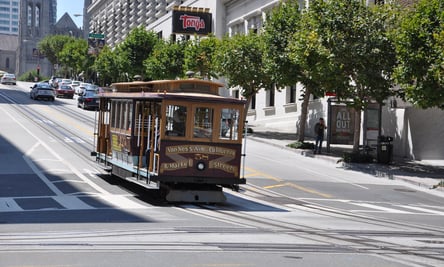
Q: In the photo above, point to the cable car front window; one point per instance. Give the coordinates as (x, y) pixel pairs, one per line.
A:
(203, 122)
(229, 124)
(176, 120)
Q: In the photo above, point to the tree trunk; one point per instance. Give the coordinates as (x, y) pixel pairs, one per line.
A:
(357, 130)
(304, 115)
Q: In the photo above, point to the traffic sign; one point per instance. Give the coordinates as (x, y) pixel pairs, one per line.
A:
(96, 35)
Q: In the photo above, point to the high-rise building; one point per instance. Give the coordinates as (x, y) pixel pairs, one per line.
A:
(9, 16)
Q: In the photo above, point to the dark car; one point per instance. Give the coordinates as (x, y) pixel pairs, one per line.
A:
(42, 91)
(88, 100)
(65, 90)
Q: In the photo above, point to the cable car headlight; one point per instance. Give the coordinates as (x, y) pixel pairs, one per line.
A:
(200, 166)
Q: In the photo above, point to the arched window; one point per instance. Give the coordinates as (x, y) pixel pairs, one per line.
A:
(29, 16)
(37, 16)
(7, 63)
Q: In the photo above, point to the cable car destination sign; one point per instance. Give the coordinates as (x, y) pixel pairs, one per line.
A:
(192, 20)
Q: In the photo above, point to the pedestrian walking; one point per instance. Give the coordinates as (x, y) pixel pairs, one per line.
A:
(319, 132)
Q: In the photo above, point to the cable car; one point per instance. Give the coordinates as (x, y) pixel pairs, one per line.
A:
(177, 136)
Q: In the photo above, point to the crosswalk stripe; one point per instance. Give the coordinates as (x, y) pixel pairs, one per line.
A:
(422, 209)
(122, 202)
(9, 204)
(375, 207)
(71, 202)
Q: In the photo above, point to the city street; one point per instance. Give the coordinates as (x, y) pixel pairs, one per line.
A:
(59, 208)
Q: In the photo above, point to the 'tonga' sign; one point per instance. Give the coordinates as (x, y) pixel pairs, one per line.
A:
(191, 21)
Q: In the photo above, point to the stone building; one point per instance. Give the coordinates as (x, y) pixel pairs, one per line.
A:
(37, 18)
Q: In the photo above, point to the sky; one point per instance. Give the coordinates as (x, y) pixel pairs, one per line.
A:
(71, 7)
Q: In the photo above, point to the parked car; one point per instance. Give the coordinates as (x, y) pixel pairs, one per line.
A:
(42, 91)
(65, 90)
(8, 78)
(88, 99)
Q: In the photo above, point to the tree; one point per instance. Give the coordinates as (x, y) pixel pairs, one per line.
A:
(199, 56)
(240, 60)
(294, 53)
(136, 48)
(166, 60)
(52, 45)
(420, 47)
(109, 66)
(361, 56)
(74, 56)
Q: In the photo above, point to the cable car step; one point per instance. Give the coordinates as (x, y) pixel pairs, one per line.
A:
(143, 182)
(196, 196)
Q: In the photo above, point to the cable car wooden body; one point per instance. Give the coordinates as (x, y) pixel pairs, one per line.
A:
(179, 136)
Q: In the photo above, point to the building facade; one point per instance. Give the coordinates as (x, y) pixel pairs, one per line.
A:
(415, 137)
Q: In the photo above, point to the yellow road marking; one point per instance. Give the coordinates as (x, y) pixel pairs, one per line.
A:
(261, 174)
(279, 180)
(71, 122)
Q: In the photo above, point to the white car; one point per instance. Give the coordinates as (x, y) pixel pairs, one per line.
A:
(8, 78)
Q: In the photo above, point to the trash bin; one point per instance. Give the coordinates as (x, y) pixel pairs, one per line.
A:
(385, 149)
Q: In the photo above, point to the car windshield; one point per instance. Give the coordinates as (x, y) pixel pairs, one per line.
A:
(90, 93)
(44, 86)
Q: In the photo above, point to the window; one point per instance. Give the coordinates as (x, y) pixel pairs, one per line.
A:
(29, 16)
(253, 102)
(270, 97)
(176, 120)
(37, 16)
(229, 124)
(203, 122)
(291, 94)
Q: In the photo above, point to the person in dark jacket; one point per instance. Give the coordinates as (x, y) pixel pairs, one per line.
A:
(319, 132)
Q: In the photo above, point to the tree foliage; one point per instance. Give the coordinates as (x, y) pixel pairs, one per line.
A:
(240, 61)
(279, 27)
(136, 48)
(109, 65)
(75, 56)
(420, 47)
(166, 60)
(52, 45)
(199, 56)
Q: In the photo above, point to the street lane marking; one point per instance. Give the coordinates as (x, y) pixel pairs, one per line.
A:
(70, 168)
(72, 203)
(375, 207)
(422, 209)
(258, 173)
(9, 204)
(301, 188)
(122, 202)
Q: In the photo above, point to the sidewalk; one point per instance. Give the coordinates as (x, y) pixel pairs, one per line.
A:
(421, 174)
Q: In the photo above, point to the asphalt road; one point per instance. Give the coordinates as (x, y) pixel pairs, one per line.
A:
(57, 208)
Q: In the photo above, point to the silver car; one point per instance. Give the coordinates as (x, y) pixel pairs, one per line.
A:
(8, 78)
(42, 91)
